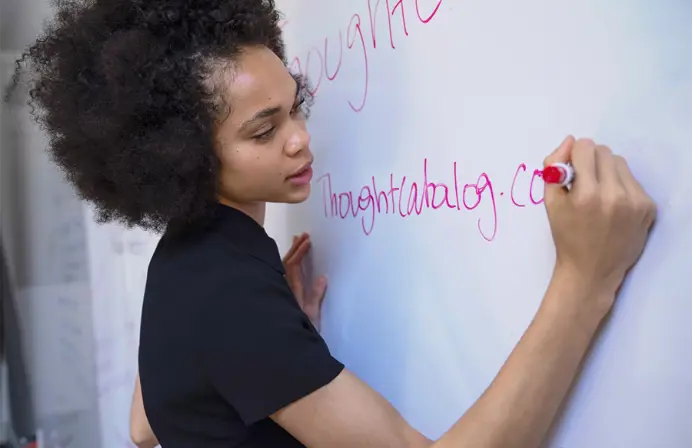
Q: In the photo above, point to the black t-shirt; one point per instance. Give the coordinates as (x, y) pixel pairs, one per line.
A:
(223, 342)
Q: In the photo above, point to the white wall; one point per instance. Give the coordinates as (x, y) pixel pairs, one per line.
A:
(44, 233)
(80, 285)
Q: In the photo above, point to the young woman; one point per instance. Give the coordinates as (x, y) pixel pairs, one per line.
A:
(180, 115)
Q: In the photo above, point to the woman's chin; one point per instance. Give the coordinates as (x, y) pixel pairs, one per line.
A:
(297, 195)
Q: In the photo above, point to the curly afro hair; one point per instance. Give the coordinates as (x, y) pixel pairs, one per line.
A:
(121, 87)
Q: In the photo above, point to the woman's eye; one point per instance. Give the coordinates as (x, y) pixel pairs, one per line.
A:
(264, 136)
(269, 133)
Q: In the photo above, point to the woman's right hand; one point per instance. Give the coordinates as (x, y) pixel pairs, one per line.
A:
(601, 225)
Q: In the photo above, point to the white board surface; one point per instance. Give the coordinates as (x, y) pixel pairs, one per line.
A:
(425, 305)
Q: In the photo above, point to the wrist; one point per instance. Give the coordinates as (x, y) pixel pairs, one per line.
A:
(581, 297)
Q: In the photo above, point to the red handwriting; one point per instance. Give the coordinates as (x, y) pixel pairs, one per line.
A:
(315, 51)
(315, 63)
(431, 15)
(355, 26)
(536, 173)
(403, 197)
(389, 11)
(332, 76)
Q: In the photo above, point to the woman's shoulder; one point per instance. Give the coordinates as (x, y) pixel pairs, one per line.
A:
(203, 248)
(222, 244)
(214, 264)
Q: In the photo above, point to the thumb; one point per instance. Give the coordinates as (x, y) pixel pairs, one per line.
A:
(313, 307)
(319, 289)
(562, 154)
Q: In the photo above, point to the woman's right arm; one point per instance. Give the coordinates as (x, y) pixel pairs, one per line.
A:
(600, 228)
(140, 430)
(515, 411)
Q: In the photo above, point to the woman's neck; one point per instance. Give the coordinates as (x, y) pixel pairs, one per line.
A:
(255, 210)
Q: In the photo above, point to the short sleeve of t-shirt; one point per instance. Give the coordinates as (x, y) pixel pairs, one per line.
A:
(262, 352)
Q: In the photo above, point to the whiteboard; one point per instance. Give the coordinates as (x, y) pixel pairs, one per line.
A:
(427, 300)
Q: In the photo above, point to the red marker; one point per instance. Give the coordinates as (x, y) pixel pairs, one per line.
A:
(558, 173)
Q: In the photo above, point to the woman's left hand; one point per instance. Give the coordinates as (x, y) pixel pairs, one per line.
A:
(310, 301)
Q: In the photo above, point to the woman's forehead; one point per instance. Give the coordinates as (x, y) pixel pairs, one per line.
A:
(258, 78)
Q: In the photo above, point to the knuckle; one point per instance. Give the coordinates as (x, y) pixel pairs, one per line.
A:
(583, 145)
(622, 165)
(620, 160)
(586, 142)
(603, 150)
(645, 213)
(648, 207)
(653, 214)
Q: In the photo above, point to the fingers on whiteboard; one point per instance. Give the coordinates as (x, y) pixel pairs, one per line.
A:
(300, 244)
